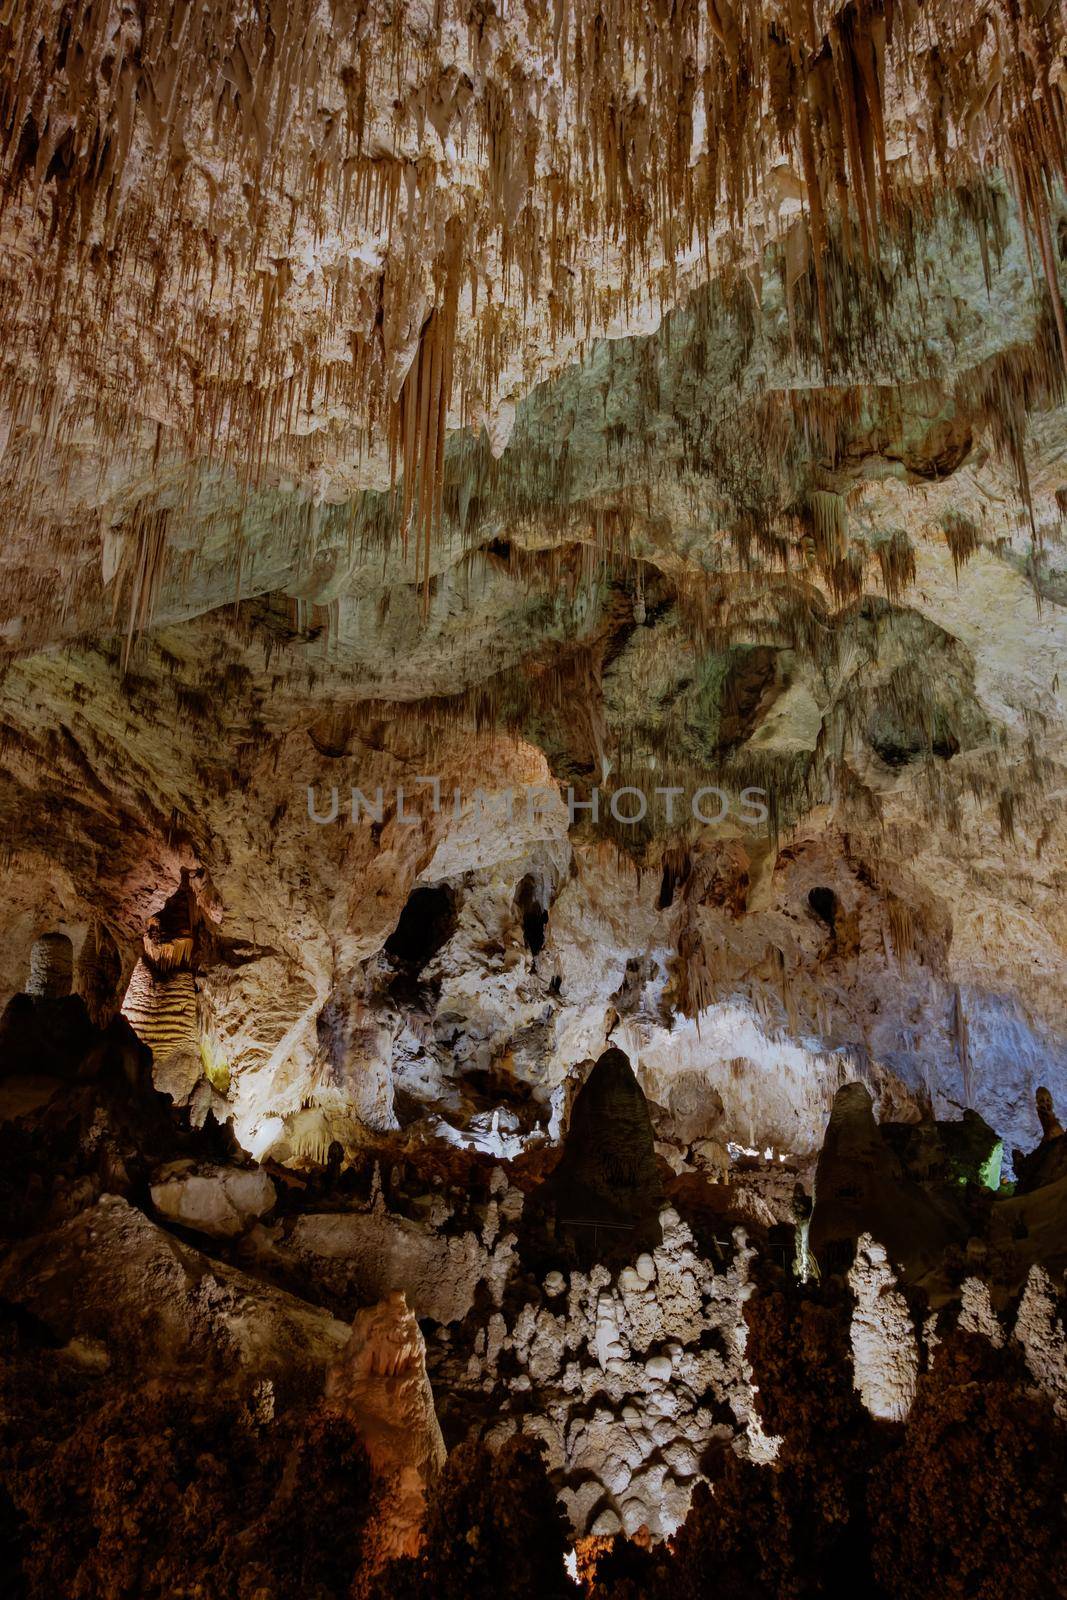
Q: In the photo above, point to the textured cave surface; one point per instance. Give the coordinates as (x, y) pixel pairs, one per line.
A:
(533, 753)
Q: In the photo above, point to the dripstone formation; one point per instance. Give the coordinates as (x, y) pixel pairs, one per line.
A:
(603, 1197)
(533, 747)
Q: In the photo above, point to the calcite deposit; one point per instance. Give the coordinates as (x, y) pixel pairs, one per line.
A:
(533, 747)
(379, 1385)
(635, 1376)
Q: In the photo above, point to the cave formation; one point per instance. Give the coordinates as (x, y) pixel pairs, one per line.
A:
(532, 752)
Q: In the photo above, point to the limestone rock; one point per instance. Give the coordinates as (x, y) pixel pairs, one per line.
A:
(1047, 1164)
(605, 1192)
(860, 1187)
(885, 1348)
(1039, 1328)
(379, 1383)
(111, 1275)
(220, 1201)
(51, 967)
(615, 1379)
(1030, 1229)
(378, 1254)
(976, 1311)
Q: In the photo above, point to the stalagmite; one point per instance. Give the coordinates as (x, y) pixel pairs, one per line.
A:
(885, 1348)
(379, 1385)
(1039, 1328)
(51, 967)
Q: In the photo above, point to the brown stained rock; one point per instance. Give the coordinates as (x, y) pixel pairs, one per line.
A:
(972, 1503)
(221, 1202)
(110, 1274)
(746, 694)
(375, 1255)
(1051, 1127)
(379, 1384)
(941, 449)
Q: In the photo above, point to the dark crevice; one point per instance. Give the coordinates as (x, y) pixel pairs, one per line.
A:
(533, 914)
(824, 904)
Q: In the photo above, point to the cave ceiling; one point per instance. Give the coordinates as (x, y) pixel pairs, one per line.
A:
(575, 395)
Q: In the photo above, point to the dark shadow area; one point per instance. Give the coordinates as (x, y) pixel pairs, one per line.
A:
(533, 915)
(602, 1201)
(426, 924)
(824, 904)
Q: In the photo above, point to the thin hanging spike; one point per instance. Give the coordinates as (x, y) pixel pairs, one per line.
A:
(1048, 258)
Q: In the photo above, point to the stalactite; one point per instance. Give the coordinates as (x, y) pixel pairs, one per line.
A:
(896, 558)
(962, 1041)
(146, 555)
(108, 176)
(962, 535)
(419, 419)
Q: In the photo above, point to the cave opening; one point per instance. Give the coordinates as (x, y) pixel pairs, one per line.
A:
(532, 914)
(824, 903)
(426, 924)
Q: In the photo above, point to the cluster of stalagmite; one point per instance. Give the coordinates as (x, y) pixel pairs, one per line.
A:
(602, 1302)
(631, 1379)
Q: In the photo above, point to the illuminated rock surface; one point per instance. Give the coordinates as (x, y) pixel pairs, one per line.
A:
(532, 762)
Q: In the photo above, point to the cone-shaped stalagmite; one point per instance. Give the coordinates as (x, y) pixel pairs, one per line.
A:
(606, 1192)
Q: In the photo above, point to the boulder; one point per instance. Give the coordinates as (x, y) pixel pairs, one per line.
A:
(219, 1201)
(113, 1276)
